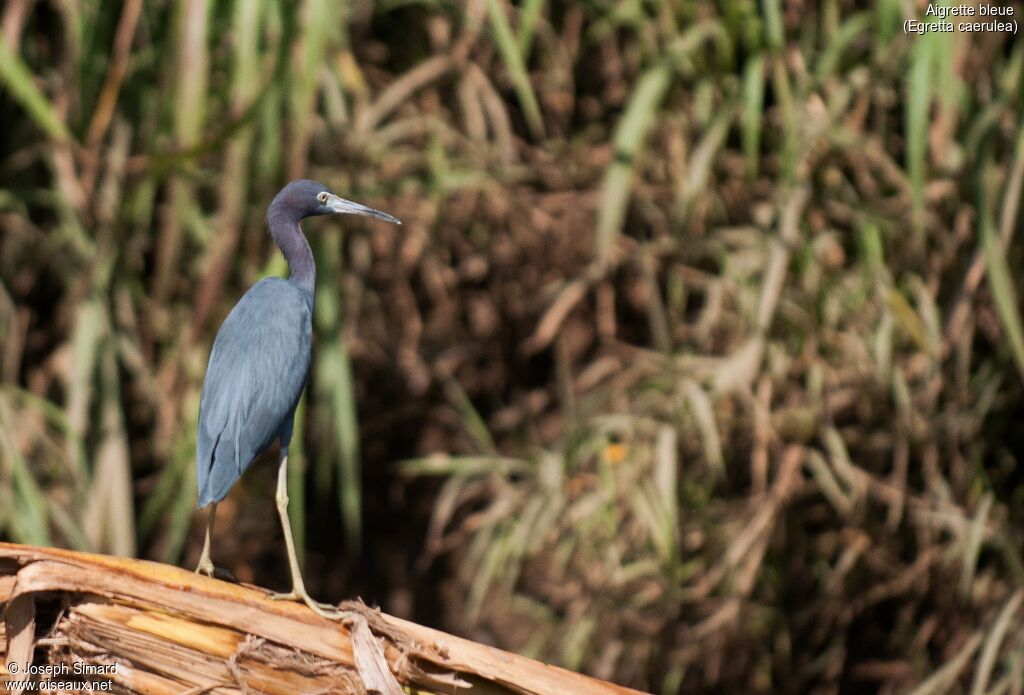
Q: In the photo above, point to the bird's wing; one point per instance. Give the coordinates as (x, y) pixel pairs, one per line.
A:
(258, 367)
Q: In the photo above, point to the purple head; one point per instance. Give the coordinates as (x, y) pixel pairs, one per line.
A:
(304, 198)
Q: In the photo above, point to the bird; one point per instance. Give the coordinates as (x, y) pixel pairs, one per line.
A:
(258, 367)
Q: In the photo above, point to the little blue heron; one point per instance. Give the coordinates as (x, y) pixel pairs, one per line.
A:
(258, 368)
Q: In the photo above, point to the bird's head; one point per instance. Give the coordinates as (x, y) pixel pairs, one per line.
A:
(305, 198)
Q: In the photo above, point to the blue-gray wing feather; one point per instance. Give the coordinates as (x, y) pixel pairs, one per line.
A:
(258, 367)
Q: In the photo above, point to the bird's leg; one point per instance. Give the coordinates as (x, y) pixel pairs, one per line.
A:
(205, 565)
(298, 592)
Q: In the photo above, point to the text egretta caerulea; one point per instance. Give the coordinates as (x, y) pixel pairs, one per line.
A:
(259, 365)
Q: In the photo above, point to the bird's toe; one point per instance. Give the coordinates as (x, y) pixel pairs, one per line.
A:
(324, 610)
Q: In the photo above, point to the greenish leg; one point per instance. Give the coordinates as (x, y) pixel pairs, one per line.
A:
(298, 592)
(205, 565)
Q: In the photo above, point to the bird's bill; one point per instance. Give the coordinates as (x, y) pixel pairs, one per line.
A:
(339, 205)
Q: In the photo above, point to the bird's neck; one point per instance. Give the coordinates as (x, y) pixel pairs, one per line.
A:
(293, 245)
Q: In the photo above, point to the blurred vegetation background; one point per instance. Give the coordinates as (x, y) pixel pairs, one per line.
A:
(697, 364)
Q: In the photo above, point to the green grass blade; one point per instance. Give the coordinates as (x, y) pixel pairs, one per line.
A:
(110, 516)
(851, 29)
(310, 47)
(529, 17)
(472, 423)
(918, 95)
(515, 63)
(752, 114)
(336, 388)
(20, 82)
(1004, 292)
(629, 136)
(297, 466)
(454, 466)
(184, 502)
(773, 23)
(27, 520)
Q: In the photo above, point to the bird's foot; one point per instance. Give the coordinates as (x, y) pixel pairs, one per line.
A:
(210, 570)
(324, 610)
(206, 567)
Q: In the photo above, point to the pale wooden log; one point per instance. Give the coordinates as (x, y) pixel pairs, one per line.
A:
(167, 630)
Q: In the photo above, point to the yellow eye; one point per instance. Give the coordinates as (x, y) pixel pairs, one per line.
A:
(322, 197)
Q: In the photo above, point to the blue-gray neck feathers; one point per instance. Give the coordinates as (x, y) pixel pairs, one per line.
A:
(283, 217)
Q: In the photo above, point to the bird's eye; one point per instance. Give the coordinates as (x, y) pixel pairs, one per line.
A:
(322, 197)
